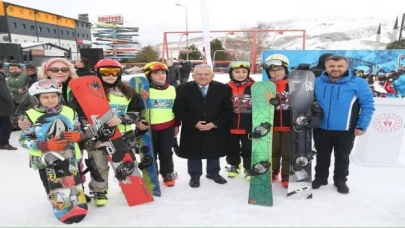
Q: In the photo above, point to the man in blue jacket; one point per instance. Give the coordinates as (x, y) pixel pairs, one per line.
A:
(348, 105)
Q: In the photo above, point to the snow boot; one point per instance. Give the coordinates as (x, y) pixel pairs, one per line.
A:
(233, 171)
(169, 179)
(100, 198)
(284, 181)
(274, 175)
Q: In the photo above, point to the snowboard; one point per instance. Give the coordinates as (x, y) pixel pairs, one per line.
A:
(66, 190)
(301, 89)
(260, 192)
(62, 171)
(150, 174)
(90, 94)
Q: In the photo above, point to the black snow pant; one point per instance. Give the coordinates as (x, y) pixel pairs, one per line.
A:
(44, 179)
(162, 146)
(239, 146)
(5, 130)
(341, 142)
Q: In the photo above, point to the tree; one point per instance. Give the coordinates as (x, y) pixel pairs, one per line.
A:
(194, 55)
(216, 45)
(147, 54)
(396, 44)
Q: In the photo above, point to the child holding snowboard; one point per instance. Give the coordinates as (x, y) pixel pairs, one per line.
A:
(125, 104)
(276, 68)
(240, 144)
(164, 126)
(59, 132)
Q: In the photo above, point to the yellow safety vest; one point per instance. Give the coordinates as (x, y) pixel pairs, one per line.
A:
(161, 104)
(119, 106)
(66, 115)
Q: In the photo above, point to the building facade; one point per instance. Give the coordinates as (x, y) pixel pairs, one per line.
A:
(19, 24)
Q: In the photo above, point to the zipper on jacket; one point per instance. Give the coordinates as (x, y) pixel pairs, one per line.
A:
(240, 99)
(338, 93)
(281, 111)
(324, 92)
(330, 104)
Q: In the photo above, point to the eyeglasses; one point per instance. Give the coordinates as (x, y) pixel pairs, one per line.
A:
(49, 83)
(56, 70)
(107, 71)
(276, 70)
(240, 64)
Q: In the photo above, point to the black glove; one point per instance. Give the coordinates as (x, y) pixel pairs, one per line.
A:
(313, 122)
(275, 101)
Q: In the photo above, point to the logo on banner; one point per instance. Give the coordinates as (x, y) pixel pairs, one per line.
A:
(387, 122)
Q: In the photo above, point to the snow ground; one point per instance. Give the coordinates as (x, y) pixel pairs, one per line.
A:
(376, 199)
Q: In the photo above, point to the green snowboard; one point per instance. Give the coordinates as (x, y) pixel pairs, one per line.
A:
(260, 192)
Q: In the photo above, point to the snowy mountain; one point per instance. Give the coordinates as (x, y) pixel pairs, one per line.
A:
(321, 33)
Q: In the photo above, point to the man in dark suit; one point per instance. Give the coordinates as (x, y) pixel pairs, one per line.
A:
(6, 111)
(205, 110)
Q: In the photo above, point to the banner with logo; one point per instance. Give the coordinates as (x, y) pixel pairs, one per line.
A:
(383, 69)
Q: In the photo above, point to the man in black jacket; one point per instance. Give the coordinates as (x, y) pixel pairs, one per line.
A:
(83, 67)
(30, 70)
(185, 70)
(320, 67)
(6, 110)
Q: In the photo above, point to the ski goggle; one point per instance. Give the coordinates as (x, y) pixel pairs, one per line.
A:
(49, 83)
(107, 71)
(56, 70)
(239, 64)
(155, 67)
(272, 63)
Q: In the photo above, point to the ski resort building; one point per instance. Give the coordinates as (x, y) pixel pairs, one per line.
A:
(24, 25)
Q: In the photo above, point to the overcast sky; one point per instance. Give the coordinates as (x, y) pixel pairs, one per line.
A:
(153, 17)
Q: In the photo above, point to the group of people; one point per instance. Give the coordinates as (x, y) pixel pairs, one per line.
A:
(215, 119)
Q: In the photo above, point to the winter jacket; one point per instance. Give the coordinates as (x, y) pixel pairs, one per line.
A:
(84, 72)
(6, 101)
(320, 67)
(15, 83)
(185, 69)
(242, 108)
(282, 112)
(347, 104)
(33, 79)
(173, 75)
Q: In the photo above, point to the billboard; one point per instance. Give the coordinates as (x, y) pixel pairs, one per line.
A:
(383, 69)
(115, 18)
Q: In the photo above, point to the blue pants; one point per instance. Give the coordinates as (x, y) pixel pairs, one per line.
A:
(195, 167)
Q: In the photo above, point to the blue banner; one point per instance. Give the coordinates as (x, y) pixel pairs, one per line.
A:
(383, 69)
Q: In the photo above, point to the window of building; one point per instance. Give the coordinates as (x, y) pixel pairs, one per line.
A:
(78, 34)
(53, 18)
(31, 13)
(68, 45)
(11, 9)
(24, 27)
(74, 45)
(25, 41)
(16, 40)
(65, 21)
(77, 24)
(40, 29)
(63, 45)
(83, 35)
(46, 17)
(21, 12)
(54, 31)
(73, 34)
(38, 15)
(83, 25)
(49, 30)
(32, 27)
(87, 36)
(14, 25)
(61, 32)
(67, 33)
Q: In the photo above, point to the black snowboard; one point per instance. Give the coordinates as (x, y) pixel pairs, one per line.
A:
(301, 88)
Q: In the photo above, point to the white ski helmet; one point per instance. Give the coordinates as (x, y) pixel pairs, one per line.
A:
(44, 86)
(274, 61)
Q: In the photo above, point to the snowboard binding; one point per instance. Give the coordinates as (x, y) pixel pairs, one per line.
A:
(124, 170)
(147, 160)
(260, 131)
(302, 161)
(300, 123)
(259, 168)
(105, 132)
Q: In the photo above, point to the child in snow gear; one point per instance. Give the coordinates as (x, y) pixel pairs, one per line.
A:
(276, 67)
(125, 104)
(46, 96)
(241, 128)
(163, 123)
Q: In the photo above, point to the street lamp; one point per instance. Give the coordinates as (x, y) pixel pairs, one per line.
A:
(177, 4)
